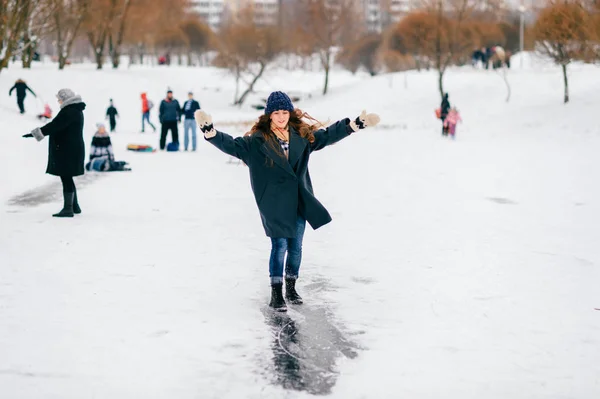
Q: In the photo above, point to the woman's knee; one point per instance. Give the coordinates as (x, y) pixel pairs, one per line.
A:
(294, 246)
(279, 245)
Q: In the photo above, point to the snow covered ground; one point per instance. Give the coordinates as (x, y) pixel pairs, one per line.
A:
(452, 269)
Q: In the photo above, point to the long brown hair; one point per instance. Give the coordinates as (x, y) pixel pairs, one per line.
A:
(297, 121)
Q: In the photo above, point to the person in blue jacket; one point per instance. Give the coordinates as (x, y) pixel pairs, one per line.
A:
(277, 150)
(189, 124)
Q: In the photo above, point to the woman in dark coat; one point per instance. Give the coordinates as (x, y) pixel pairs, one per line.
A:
(66, 151)
(277, 151)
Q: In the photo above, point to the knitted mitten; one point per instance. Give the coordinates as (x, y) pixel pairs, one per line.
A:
(364, 120)
(205, 124)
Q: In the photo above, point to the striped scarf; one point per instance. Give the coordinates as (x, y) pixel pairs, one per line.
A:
(285, 145)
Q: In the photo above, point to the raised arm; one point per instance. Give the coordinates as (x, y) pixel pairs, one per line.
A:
(31, 91)
(342, 129)
(238, 147)
(332, 134)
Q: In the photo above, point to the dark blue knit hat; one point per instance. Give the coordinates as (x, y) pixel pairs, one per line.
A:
(278, 101)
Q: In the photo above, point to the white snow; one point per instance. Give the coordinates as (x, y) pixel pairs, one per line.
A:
(463, 269)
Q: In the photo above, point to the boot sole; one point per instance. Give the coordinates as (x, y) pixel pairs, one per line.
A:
(284, 309)
(63, 216)
(294, 301)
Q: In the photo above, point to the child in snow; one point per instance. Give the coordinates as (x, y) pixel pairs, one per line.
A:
(111, 115)
(47, 113)
(277, 151)
(102, 157)
(451, 120)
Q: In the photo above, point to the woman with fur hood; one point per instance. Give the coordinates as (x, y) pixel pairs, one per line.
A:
(277, 150)
(66, 151)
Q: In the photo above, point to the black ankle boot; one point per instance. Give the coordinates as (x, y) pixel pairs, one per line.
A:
(67, 211)
(290, 291)
(277, 301)
(76, 208)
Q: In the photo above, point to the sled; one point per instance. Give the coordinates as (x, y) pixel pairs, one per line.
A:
(140, 148)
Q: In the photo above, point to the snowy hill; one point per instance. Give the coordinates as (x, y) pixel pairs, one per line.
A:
(452, 269)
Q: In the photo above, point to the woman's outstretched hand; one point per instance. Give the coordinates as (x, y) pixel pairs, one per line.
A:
(205, 124)
(37, 133)
(364, 120)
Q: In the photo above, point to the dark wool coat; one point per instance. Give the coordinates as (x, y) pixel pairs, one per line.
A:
(445, 107)
(282, 188)
(66, 151)
(169, 111)
(112, 112)
(21, 88)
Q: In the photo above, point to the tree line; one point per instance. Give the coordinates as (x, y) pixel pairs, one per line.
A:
(438, 34)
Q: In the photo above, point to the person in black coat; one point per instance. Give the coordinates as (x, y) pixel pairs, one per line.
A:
(169, 115)
(66, 151)
(111, 115)
(445, 108)
(21, 88)
(277, 151)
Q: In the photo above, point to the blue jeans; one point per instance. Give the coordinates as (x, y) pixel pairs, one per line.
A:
(146, 118)
(293, 247)
(189, 124)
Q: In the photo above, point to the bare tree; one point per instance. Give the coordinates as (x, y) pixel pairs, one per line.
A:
(67, 18)
(117, 36)
(415, 36)
(13, 19)
(364, 52)
(247, 50)
(105, 25)
(98, 24)
(439, 33)
(562, 33)
(593, 50)
(199, 35)
(327, 24)
(37, 26)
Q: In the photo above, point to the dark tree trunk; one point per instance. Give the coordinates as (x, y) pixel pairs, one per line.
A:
(240, 101)
(566, 79)
(441, 82)
(326, 62)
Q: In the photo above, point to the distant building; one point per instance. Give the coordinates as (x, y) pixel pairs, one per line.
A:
(211, 11)
(382, 13)
(214, 12)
